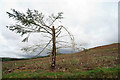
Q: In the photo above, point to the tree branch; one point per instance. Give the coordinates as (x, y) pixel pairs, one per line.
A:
(58, 34)
(59, 29)
(43, 48)
(71, 37)
(43, 28)
(59, 16)
(30, 19)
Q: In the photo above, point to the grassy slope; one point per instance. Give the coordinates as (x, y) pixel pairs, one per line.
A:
(100, 60)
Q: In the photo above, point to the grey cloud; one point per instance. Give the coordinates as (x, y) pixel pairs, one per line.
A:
(90, 22)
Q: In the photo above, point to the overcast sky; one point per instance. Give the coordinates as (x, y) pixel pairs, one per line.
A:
(91, 21)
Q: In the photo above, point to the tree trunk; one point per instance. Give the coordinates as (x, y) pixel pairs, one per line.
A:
(53, 49)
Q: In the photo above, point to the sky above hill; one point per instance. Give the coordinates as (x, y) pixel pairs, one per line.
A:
(94, 22)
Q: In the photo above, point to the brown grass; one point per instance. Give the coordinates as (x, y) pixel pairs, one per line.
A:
(105, 56)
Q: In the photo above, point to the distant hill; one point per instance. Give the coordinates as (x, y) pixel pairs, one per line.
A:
(15, 59)
(12, 59)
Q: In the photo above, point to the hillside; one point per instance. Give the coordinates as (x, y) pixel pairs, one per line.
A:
(102, 60)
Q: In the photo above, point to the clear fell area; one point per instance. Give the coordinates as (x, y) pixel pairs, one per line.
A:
(98, 62)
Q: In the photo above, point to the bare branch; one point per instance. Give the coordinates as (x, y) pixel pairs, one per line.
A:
(62, 36)
(58, 34)
(58, 29)
(71, 37)
(62, 42)
(26, 39)
(43, 28)
(43, 48)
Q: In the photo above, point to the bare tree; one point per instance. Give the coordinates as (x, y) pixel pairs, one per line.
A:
(35, 22)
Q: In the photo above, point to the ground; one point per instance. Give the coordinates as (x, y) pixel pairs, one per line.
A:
(98, 62)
